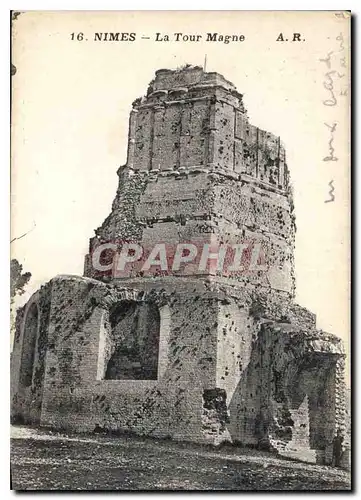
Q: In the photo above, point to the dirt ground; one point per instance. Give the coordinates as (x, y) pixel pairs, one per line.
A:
(51, 461)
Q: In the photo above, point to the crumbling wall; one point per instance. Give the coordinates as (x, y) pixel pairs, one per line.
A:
(190, 142)
(29, 343)
(168, 133)
(166, 138)
(75, 396)
(301, 367)
(253, 207)
(215, 415)
(190, 118)
(285, 394)
(122, 223)
(240, 380)
(30, 355)
(194, 128)
(168, 79)
(198, 208)
(143, 139)
(178, 198)
(249, 213)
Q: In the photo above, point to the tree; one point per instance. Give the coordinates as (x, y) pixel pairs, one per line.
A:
(18, 280)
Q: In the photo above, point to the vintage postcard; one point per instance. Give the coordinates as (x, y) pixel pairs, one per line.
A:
(180, 250)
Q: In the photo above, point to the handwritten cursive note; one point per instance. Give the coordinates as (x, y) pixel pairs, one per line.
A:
(334, 86)
(332, 196)
(331, 149)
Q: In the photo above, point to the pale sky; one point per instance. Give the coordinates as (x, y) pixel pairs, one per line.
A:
(71, 101)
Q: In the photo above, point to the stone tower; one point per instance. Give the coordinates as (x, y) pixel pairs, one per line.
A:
(197, 170)
(195, 353)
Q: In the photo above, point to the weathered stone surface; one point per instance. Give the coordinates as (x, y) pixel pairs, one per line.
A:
(203, 357)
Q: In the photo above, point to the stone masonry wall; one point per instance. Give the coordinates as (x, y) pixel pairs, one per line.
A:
(26, 399)
(237, 359)
(201, 122)
(75, 398)
(198, 171)
(198, 208)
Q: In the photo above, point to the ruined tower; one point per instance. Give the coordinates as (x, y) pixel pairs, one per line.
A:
(197, 354)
